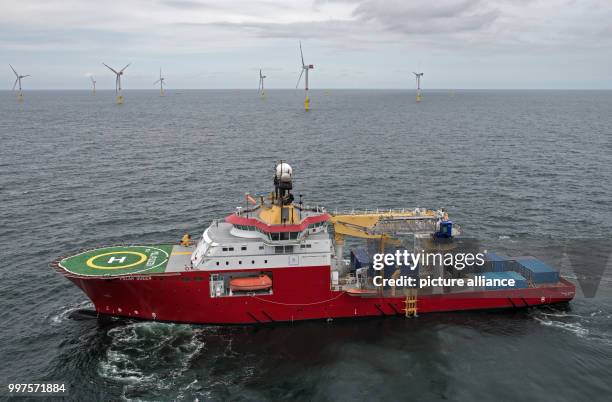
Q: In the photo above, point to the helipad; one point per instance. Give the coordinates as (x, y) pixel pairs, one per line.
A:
(123, 260)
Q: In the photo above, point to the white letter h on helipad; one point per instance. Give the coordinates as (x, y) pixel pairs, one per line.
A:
(113, 259)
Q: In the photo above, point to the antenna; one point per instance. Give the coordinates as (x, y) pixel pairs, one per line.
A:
(118, 75)
(161, 83)
(261, 90)
(18, 82)
(305, 68)
(418, 82)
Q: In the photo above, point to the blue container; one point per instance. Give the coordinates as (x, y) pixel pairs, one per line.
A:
(359, 258)
(495, 262)
(519, 281)
(535, 270)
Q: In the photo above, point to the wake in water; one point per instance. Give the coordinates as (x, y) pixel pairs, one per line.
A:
(587, 326)
(150, 357)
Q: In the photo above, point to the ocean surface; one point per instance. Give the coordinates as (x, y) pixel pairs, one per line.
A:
(516, 169)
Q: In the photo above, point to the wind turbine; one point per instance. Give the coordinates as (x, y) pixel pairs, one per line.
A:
(305, 67)
(18, 81)
(93, 82)
(118, 82)
(261, 83)
(161, 83)
(418, 80)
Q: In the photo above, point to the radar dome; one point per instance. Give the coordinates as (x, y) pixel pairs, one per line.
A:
(284, 171)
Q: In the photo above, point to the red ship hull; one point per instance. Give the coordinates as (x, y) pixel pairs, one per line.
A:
(298, 294)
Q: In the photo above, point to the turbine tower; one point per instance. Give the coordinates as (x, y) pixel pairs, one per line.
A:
(261, 83)
(18, 81)
(118, 74)
(93, 82)
(418, 81)
(161, 83)
(305, 67)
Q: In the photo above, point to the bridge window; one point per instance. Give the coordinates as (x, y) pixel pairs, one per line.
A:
(283, 249)
(243, 248)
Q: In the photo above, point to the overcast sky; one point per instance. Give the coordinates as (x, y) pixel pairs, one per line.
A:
(352, 43)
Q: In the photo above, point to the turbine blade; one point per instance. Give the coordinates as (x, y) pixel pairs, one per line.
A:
(156, 82)
(125, 67)
(110, 68)
(15, 84)
(299, 78)
(302, 54)
(17, 75)
(23, 76)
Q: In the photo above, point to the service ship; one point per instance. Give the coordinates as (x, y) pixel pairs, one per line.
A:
(279, 260)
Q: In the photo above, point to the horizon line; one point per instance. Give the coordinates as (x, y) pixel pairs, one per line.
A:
(315, 89)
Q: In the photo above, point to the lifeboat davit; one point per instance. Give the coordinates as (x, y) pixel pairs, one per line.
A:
(260, 282)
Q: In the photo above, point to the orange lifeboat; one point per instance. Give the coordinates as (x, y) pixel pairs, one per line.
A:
(261, 282)
(362, 292)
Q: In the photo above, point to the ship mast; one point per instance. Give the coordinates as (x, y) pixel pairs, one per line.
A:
(283, 183)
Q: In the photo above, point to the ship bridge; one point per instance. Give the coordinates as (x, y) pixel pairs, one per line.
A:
(274, 232)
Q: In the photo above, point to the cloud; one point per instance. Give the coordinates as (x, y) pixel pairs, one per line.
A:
(435, 18)
(242, 34)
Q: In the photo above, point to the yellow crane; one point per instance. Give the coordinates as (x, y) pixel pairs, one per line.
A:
(381, 225)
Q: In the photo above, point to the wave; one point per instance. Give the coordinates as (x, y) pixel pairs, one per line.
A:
(67, 311)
